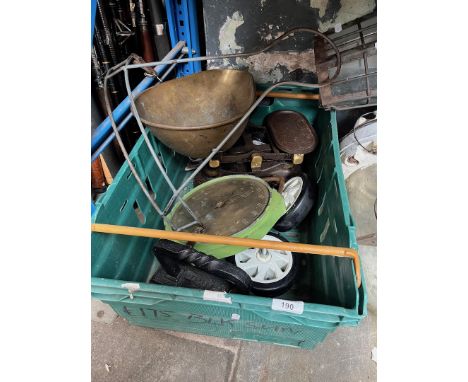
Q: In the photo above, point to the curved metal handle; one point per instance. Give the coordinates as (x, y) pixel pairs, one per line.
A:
(119, 67)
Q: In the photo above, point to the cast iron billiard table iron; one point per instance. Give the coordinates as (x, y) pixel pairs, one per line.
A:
(193, 223)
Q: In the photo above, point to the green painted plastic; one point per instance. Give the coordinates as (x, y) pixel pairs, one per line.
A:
(328, 284)
(274, 210)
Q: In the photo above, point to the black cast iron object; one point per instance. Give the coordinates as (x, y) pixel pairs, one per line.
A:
(187, 276)
(269, 169)
(291, 132)
(186, 254)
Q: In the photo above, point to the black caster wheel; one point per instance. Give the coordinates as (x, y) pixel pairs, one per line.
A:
(299, 195)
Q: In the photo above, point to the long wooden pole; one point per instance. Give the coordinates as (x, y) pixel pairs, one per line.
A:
(235, 241)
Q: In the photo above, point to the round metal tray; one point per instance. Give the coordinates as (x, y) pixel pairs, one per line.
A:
(234, 205)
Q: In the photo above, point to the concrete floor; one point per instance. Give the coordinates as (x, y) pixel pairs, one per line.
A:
(121, 352)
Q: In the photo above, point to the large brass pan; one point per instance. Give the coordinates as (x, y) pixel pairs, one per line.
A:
(193, 114)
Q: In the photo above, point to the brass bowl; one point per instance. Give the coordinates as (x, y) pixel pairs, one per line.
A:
(193, 114)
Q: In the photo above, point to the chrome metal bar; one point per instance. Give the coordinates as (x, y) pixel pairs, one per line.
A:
(150, 147)
(187, 226)
(127, 157)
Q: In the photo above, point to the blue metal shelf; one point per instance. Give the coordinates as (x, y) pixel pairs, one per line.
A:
(183, 26)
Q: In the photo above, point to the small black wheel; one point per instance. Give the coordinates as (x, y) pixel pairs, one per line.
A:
(272, 272)
(299, 195)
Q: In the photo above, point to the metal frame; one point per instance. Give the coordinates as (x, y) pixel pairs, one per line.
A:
(355, 43)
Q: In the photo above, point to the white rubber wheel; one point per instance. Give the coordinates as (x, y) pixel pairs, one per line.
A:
(265, 266)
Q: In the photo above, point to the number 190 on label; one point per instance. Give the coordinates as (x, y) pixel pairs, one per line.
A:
(296, 307)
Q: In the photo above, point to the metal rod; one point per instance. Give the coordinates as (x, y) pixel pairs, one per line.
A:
(366, 71)
(366, 66)
(350, 33)
(234, 241)
(348, 55)
(110, 138)
(340, 108)
(150, 147)
(122, 124)
(103, 130)
(127, 158)
(354, 78)
(245, 54)
(188, 225)
(109, 38)
(355, 97)
(356, 39)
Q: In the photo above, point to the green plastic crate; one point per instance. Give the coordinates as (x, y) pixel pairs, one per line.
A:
(122, 265)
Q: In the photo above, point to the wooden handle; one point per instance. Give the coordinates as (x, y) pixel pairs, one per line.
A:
(291, 95)
(235, 241)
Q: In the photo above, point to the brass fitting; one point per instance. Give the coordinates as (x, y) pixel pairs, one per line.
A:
(214, 163)
(298, 158)
(256, 161)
